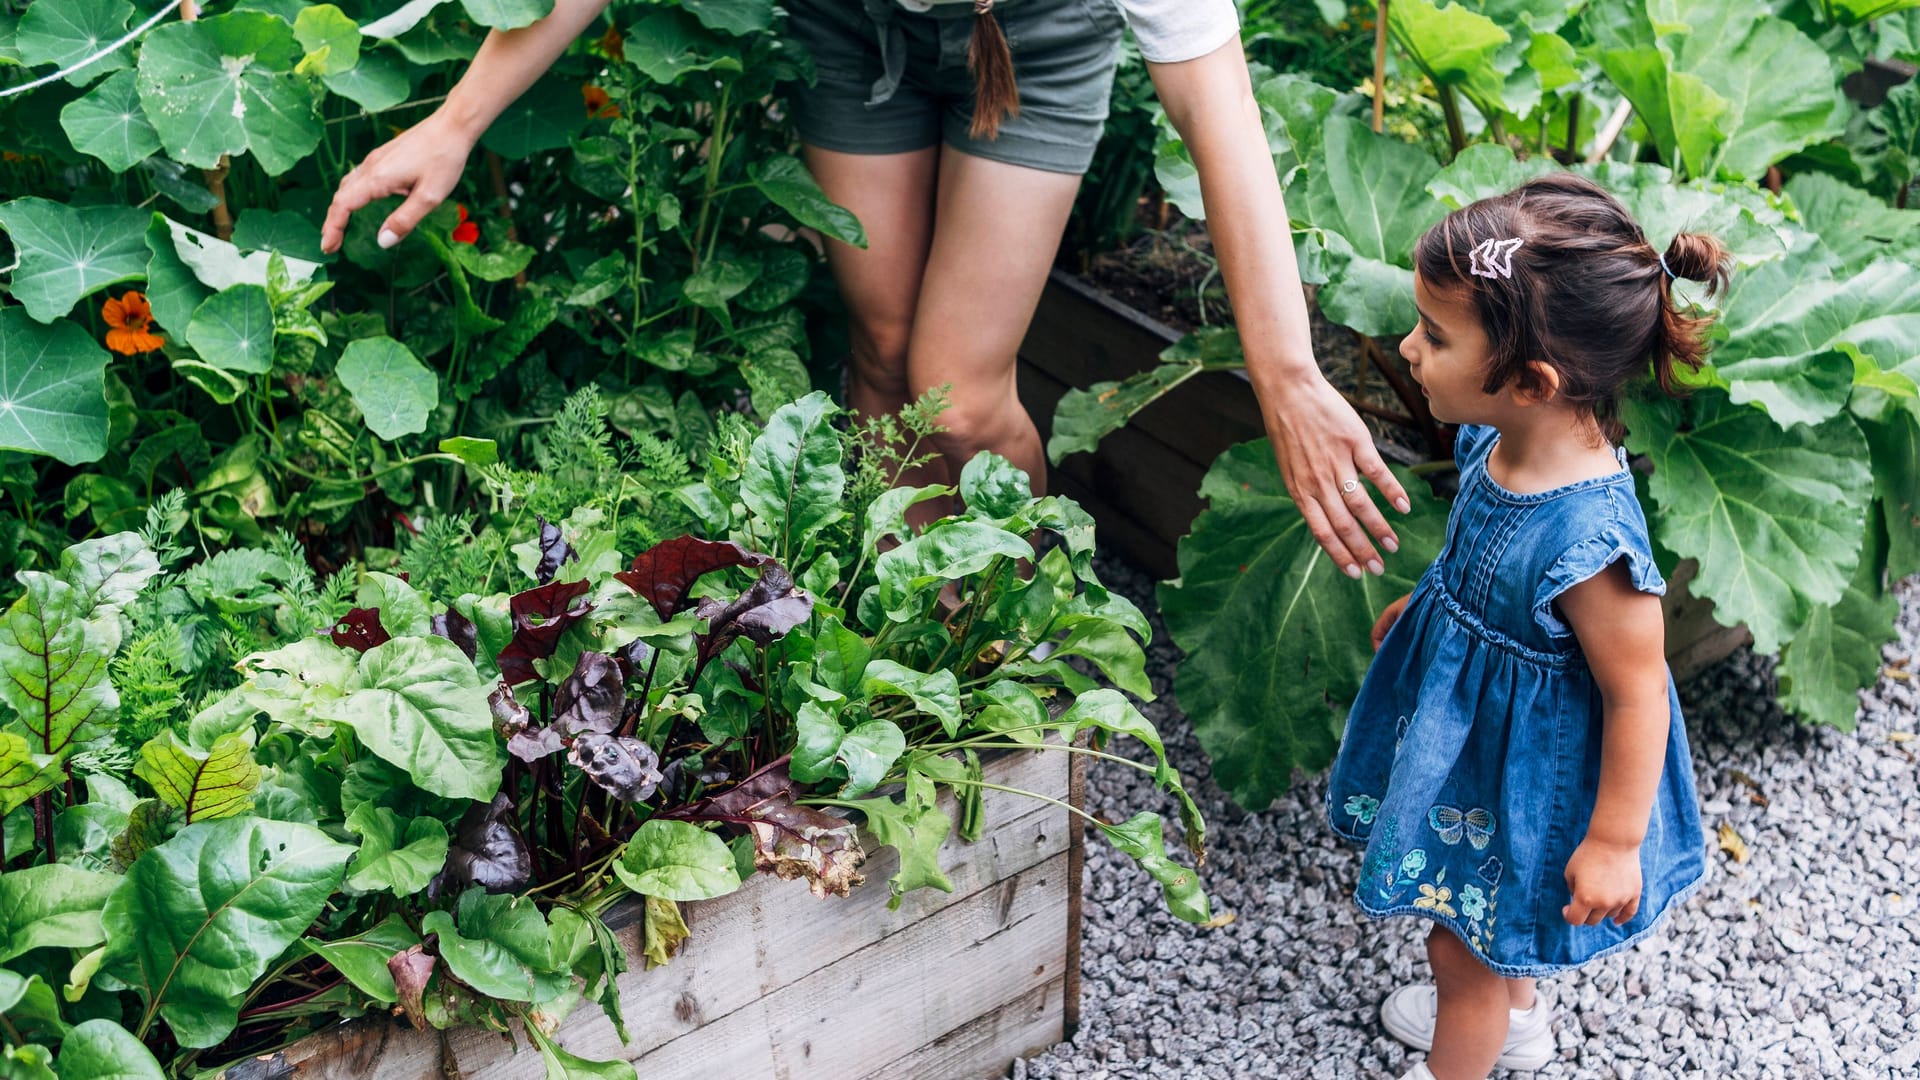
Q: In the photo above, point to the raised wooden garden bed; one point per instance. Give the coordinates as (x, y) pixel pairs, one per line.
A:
(776, 983)
(1143, 484)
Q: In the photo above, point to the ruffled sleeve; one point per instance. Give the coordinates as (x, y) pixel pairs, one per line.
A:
(1587, 558)
(1471, 441)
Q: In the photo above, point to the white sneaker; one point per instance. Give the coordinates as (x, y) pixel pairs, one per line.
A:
(1409, 1014)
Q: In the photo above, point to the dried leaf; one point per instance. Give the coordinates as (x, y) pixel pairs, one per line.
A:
(360, 630)
(590, 699)
(411, 969)
(664, 572)
(554, 551)
(1732, 843)
(487, 851)
(458, 629)
(663, 931)
(626, 768)
(540, 615)
(789, 840)
(765, 612)
(510, 718)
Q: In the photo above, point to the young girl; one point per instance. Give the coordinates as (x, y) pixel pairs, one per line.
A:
(1515, 762)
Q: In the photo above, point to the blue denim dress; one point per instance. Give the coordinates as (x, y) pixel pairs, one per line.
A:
(1472, 754)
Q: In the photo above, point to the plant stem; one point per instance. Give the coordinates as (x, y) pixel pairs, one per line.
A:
(1450, 108)
(1088, 751)
(1089, 818)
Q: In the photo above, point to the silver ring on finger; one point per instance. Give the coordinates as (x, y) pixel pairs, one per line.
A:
(1350, 487)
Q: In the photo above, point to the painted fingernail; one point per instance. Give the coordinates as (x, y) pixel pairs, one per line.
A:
(1374, 565)
(1353, 571)
(1392, 545)
(1401, 504)
(388, 238)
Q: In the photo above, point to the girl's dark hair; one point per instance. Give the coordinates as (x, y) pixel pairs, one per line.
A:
(1588, 294)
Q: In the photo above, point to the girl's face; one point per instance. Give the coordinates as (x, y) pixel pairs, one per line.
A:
(1448, 353)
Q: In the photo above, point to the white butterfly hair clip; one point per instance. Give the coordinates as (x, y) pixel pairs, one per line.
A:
(1494, 258)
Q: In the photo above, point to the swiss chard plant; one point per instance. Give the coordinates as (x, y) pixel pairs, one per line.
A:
(240, 805)
(1785, 482)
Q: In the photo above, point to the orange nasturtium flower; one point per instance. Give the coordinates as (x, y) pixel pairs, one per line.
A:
(467, 232)
(599, 107)
(612, 45)
(131, 320)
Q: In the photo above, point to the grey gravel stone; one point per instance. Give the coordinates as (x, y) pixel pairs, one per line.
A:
(1802, 962)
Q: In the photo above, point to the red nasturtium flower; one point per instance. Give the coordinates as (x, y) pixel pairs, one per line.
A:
(131, 322)
(466, 232)
(612, 45)
(599, 107)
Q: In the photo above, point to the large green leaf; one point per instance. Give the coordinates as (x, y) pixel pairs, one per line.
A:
(225, 85)
(793, 482)
(507, 14)
(393, 389)
(1837, 652)
(67, 253)
(23, 773)
(669, 44)
(54, 905)
(55, 656)
(1685, 116)
(233, 329)
(1274, 633)
(1084, 417)
(546, 117)
(330, 38)
(52, 389)
(786, 182)
(419, 704)
(363, 957)
(936, 695)
(677, 860)
(1854, 225)
(376, 83)
(67, 32)
(103, 1050)
(1774, 517)
(1484, 170)
(1372, 195)
(199, 918)
(1454, 46)
(1742, 222)
(498, 946)
(1891, 424)
(736, 17)
(206, 784)
(947, 551)
(109, 124)
(395, 854)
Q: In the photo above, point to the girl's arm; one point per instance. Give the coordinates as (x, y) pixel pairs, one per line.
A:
(1622, 633)
(1318, 438)
(425, 161)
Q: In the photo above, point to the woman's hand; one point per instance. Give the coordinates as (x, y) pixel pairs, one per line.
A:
(1324, 452)
(423, 163)
(1604, 879)
(1386, 620)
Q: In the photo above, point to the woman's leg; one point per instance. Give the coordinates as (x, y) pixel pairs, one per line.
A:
(996, 228)
(893, 196)
(1472, 1024)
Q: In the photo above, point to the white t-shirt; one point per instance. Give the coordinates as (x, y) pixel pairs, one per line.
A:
(1168, 31)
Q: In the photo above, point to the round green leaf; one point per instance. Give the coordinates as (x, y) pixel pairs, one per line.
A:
(669, 44)
(103, 1050)
(732, 16)
(224, 86)
(69, 31)
(233, 329)
(53, 397)
(70, 252)
(677, 860)
(507, 14)
(546, 117)
(377, 83)
(418, 703)
(109, 124)
(394, 390)
(332, 40)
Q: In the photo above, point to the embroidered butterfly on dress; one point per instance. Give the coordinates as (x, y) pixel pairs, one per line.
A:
(1475, 824)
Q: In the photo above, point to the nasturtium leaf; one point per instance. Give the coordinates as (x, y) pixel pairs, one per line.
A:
(418, 703)
(52, 389)
(738, 17)
(67, 32)
(497, 264)
(103, 1050)
(233, 329)
(393, 389)
(507, 14)
(198, 918)
(363, 957)
(225, 85)
(206, 784)
(786, 182)
(936, 694)
(677, 860)
(331, 40)
(52, 905)
(1837, 651)
(109, 124)
(670, 43)
(23, 773)
(1139, 837)
(68, 253)
(173, 290)
(498, 946)
(376, 83)
(915, 827)
(478, 452)
(1774, 517)
(217, 264)
(1271, 627)
(290, 233)
(546, 117)
(794, 482)
(396, 855)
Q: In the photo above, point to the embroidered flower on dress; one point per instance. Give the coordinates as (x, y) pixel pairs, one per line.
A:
(1364, 807)
(1490, 870)
(1412, 863)
(1473, 903)
(1434, 899)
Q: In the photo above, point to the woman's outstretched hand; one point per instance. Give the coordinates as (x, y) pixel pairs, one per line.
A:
(423, 163)
(1325, 454)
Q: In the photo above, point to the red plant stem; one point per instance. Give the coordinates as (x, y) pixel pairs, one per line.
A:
(43, 824)
(259, 1010)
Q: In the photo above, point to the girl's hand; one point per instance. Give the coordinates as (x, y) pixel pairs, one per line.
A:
(1323, 448)
(1386, 620)
(423, 163)
(1605, 881)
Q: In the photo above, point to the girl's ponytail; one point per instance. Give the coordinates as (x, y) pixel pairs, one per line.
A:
(1682, 338)
(995, 96)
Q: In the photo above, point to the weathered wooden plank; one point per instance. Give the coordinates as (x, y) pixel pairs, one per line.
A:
(982, 1047)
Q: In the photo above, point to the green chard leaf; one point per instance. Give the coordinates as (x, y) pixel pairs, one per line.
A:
(1139, 837)
(54, 905)
(203, 785)
(677, 860)
(794, 481)
(103, 1050)
(419, 704)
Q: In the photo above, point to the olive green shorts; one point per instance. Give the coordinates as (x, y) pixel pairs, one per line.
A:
(892, 81)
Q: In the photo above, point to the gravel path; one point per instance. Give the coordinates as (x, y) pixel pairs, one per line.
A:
(1802, 962)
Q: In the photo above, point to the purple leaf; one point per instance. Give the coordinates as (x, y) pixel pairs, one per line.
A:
(458, 629)
(765, 612)
(540, 616)
(623, 766)
(411, 968)
(591, 698)
(789, 840)
(510, 718)
(360, 630)
(487, 851)
(632, 658)
(554, 550)
(664, 572)
(534, 743)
